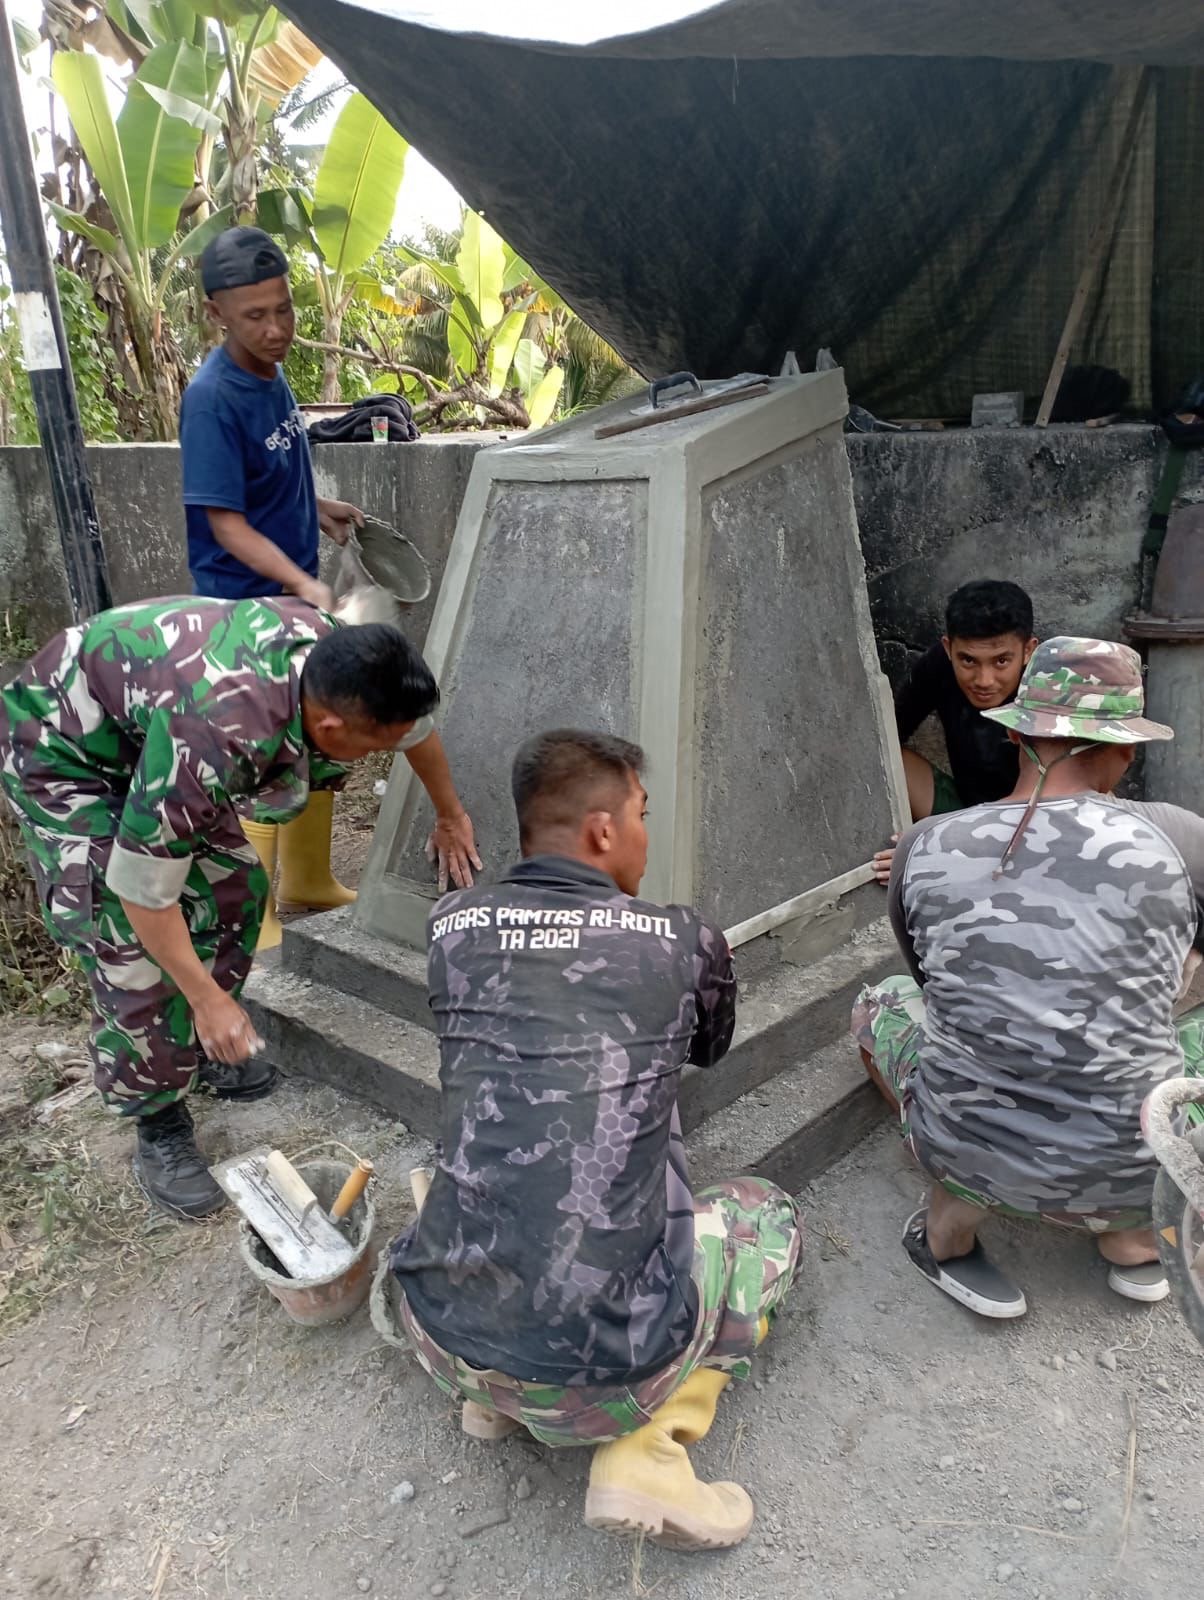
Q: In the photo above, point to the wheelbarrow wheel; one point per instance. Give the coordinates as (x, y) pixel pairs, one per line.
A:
(1179, 1230)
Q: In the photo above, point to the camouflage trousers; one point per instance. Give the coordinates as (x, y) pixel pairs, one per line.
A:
(888, 1024)
(748, 1235)
(143, 1043)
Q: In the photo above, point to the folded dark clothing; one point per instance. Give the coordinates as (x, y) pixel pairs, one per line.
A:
(1187, 435)
(355, 425)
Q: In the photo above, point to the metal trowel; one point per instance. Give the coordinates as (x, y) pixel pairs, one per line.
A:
(286, 1214)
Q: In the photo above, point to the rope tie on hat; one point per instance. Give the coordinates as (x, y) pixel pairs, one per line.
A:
(1034, 799)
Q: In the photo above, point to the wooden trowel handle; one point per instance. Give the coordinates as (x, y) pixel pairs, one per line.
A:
(420, 1186)
(290, 1185)
(352, 1189)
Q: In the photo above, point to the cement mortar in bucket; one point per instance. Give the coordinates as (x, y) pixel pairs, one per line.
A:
(314, 1301)
(377, 554)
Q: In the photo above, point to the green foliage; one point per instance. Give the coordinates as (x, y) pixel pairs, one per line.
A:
(184, 155)
(144, 160)
(490, 299)
(343, 223)
(356, 188)
(92, 363)
(304, 367)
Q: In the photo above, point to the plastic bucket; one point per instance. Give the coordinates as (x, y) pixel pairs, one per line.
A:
(389, 560)
(314, 1301)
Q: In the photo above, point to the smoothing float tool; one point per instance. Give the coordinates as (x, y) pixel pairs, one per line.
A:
(284, 1211)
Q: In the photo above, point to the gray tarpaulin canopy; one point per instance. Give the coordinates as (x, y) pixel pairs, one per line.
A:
(914, 183)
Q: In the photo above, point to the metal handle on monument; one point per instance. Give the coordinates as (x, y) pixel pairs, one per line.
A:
(675, 380)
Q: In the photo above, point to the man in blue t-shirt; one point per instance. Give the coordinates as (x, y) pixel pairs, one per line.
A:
(254, 518)
(252, 510)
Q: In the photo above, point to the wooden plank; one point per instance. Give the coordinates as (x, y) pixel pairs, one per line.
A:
(810, 900)
(685, 408)
(1101, 241)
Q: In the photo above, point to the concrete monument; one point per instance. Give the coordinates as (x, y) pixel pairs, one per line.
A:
(696, 585)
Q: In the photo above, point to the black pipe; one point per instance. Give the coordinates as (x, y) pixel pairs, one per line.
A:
(47, 358)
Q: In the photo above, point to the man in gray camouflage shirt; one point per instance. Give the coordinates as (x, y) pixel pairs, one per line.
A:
(561, 1276)
(1047, 936)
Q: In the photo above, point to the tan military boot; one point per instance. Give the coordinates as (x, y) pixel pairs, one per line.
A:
(644, 1483)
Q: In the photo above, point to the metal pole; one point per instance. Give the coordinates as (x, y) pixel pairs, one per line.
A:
(44, 342)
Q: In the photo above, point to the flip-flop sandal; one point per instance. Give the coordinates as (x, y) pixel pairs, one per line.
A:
(1147, 1283)
(972, 1279)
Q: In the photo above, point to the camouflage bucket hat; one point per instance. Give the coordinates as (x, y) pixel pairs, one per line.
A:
(1082, 689)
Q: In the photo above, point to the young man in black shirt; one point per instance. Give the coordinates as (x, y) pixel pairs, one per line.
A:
(975, 667)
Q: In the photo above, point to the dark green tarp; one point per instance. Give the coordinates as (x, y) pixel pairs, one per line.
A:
(708, 200)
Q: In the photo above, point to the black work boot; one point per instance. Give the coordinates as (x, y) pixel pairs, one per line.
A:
(249, 1080)
(171, 1170)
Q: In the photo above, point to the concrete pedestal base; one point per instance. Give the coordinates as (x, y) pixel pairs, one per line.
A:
(788, 1100)
(697, 586)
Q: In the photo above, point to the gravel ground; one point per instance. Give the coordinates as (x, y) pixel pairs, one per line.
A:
(894, 1445)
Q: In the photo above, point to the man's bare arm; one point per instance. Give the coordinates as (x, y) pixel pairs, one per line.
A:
(235, 534)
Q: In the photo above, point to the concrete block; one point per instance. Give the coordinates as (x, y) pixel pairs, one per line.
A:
(997, 410)
(1061, 511)
(329, 949)
(789, 1127)
(321, 1033)
(697, 586)
(784, 1017)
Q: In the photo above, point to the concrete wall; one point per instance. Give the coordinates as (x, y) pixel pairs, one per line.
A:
(417, 487)
(1063, 512)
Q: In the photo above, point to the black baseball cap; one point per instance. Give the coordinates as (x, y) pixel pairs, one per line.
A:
(240, 256)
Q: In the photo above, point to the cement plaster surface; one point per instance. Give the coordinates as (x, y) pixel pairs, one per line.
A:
(1061, 511)
(418, 487)
(547, 642)
(790, 779)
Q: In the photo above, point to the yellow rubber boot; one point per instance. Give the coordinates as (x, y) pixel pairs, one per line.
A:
(644, 1483)
(265, 837)
(305, 875)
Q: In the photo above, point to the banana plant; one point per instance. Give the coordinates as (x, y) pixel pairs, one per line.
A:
(488, 294)
(143, 162)
(345, 221)
(254, 59)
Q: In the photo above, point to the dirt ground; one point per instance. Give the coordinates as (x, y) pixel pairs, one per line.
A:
(170, 1434)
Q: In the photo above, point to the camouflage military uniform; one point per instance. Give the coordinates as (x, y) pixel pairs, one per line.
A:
(131, 745)
(561, 1271)
(1050, 940)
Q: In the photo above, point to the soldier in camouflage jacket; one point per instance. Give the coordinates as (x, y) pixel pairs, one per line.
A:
(1047, 936)
(131, 747)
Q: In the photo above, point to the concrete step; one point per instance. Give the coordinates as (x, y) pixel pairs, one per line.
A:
(338, 1036)
(793, 1128)
(330, 949)
(785, 1017)
(785, 1012)
(317, 1032)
